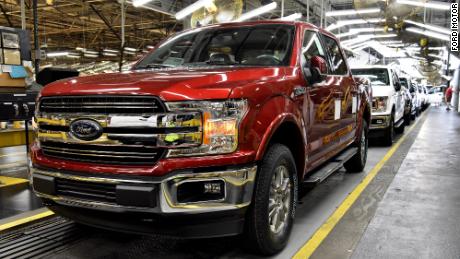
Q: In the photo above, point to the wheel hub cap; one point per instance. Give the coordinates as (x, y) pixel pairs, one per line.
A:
(279, 202)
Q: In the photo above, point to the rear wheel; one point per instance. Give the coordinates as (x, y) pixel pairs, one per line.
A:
(271, 214)
(357, 163)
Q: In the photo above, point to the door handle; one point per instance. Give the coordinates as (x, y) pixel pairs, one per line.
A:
(299, 90)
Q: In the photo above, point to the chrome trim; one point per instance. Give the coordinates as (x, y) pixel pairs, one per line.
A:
(239, 186)
(385, 124)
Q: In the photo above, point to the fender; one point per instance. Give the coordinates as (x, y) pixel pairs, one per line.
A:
(275, 112)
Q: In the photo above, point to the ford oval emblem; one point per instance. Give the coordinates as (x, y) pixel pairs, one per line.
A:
(85, 129)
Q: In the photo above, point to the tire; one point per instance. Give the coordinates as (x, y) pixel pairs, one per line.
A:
(407, 119)
(400, 129)
(389, 132)
(357, 163)
(262, 233)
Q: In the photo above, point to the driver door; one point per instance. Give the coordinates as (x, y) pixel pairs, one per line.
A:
(319, 115)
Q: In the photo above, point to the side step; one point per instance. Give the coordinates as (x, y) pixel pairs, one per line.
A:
(332, 166)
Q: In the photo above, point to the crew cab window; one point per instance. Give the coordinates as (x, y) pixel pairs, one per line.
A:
(339, 66)
(395, 78)
(260, 45)
(311, 46)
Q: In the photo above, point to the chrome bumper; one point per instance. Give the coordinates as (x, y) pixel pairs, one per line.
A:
(238, 189)
(380, 122)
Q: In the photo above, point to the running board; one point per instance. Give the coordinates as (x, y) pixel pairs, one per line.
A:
(332, 166)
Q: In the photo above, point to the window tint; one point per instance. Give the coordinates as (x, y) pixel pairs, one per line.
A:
(311, 45)
(338, 62)
(261, 45)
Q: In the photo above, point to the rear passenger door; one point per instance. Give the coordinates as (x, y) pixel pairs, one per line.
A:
(399, 98)
(345, 91)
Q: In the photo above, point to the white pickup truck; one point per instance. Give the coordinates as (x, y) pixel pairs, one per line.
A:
(387, 103)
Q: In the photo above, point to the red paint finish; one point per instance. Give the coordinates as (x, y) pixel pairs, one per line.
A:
(270, 92)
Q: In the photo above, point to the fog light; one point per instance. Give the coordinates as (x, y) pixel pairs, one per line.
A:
(201, 191)
(214, 188)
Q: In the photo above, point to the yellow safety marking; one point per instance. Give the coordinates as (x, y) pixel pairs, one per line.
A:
(26, 220)
(323, 231)
(14, 154)
(9, 181)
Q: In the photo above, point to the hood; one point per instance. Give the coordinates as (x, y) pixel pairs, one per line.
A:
(382, 90)
(170, 85)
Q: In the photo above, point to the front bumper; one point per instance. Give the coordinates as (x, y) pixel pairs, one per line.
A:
(85, 197)
(380, 122)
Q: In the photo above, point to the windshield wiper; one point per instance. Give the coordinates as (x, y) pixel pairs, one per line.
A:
(154, 65)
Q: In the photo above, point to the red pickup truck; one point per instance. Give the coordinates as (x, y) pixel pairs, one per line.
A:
(210, 134)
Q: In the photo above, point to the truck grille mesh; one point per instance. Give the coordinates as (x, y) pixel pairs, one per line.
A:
(123, 154)
(101, 104)
(86, 190)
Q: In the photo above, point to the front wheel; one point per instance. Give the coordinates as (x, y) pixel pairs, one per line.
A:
(357, 163)
(271, 214)
(389, 132)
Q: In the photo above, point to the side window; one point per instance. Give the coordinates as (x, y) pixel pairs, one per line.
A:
(337, 59)
(395, 77)
(311, 46)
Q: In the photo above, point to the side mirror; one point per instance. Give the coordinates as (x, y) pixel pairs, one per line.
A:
(318, 69)
(397, 86)
(411, 90)
(50, 74)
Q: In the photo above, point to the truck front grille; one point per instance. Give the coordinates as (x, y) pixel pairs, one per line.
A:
(91, 191)
(97, 153)
(101, 104)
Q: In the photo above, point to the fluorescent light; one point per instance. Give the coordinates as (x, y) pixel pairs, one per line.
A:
(57, 54)
(111, 50)
(257, 12)
(359, 30)
(430, 4)
(342, 23)
(430, 27)
(365, 37)
(109, 54)
(130, 49)
(90, 55)
(137, 3)
(431, 34)
(192, 8)
(80, 49)
(352, 12)
(91, 52)
(292, 17)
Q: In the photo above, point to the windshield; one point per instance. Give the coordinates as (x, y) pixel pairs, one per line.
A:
(260, 45)
(378, 76)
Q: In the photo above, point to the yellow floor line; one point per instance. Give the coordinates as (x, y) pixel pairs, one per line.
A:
(14, 154)
(9, 181)
(26, 220)
(323, 231)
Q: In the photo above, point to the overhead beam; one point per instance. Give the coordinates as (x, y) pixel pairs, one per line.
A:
(107, 23)
(7, 17)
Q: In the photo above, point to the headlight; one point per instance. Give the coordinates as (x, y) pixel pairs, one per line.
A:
(379, 104)
(221, 120)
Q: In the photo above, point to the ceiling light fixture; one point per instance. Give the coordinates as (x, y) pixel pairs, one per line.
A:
(430, 4)
(430, 27)
(352, 12)
(137, 3)
(431, 34)
(257, 12)
(192, 8)
(292, 17)
(57, 54)
(342, 23)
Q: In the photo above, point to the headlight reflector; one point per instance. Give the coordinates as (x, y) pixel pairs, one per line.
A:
(221, 120)
(379, 104)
